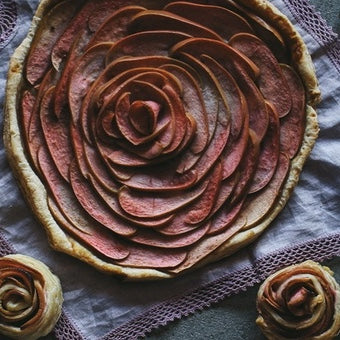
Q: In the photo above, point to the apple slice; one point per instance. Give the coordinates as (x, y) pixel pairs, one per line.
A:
(152, 20)
(192, 99)
(154, 239)
(88, 68)
(268, 33)
(115, 26)
(293, 125)
(111, 200)
(208, 245)
(258, 205)
(57, 134)
(271, 81)
(153, 257)
(157, 42)
(224, 218)
(269, 152)
(87, 20)
(147, 205)
(34, 133)
(51, 27)
(201, 209)
(221, 20)
(93, 205)
(94, 236)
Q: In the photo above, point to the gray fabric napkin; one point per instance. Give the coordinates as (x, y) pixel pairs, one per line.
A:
(99, 305)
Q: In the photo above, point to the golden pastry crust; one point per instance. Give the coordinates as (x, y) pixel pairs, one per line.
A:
(308, 299)
(36, 194)
(36, 312)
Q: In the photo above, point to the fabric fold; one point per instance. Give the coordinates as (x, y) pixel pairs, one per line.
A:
(98, 306)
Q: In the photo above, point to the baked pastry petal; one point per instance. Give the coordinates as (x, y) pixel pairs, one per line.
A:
(155, 132)
(300, 302)
(31, 297)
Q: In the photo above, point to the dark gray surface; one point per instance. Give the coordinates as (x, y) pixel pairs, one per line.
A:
(234, 318)
(330, 11)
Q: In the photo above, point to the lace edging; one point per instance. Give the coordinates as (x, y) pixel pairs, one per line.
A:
(66, 330)
(5, 247)
(8, 21)
(312, 21)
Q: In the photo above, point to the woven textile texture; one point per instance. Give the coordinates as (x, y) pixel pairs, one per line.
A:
(232, 282)
(8, 21)
(312, 21)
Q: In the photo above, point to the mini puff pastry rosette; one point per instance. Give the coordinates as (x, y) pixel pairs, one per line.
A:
(31, 298)
(152, 137)
(301, 301)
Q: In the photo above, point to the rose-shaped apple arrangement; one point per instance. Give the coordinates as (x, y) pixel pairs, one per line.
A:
(160, 133)
(31, 297)
(300, 302)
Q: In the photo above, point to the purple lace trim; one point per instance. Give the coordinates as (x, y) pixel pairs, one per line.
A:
(65, 330)
(8, 21)
(311, 21)
(317, 250)
(5, 247)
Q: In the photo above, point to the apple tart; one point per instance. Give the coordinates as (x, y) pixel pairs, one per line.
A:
(152, 137)
(31, 297)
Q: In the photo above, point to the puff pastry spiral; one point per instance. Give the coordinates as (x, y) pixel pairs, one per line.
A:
(30, 298)
(300, 302)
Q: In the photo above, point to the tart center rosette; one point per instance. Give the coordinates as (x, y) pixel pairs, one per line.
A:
(160, 132)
